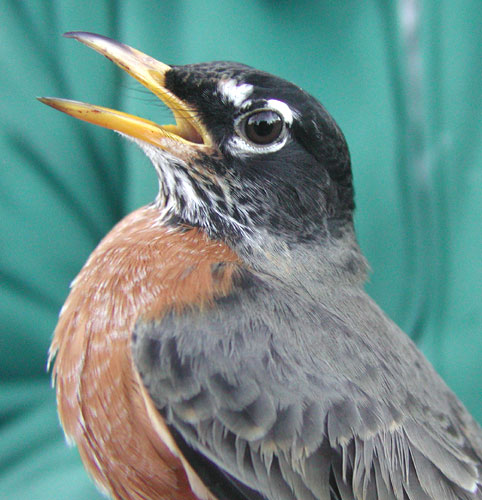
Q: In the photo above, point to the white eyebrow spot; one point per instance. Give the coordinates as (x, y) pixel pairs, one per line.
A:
(283, 109)
(233, 92)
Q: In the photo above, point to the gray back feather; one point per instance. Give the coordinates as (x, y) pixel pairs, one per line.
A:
(306, 396)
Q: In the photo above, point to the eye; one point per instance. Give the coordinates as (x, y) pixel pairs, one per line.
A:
(262, 127)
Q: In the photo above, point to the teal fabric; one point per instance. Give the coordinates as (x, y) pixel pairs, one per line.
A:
(417, 159)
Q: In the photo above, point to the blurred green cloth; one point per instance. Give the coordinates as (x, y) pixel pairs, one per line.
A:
(411, 111)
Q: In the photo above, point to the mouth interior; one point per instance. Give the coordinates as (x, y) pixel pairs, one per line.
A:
(188, 125)
(187, 131)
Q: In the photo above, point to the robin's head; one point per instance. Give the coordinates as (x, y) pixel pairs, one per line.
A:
(251, 156)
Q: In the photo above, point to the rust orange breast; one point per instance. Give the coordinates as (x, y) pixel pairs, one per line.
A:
(141, 268)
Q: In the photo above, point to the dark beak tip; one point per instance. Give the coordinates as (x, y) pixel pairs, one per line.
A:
(82, 35)
(73, 34)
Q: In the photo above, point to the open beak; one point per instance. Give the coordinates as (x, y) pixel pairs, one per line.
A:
(188, 130)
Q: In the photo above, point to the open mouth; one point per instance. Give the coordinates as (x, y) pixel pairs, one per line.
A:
(188, 130)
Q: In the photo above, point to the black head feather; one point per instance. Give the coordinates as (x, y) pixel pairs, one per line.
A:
(302, 189)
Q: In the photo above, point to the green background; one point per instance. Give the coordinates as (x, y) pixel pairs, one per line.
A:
(411, 111)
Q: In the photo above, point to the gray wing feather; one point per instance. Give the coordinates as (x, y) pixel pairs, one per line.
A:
(313, 407)
(433, 482)
(415, 492)
(439, 451)
(316, 472)
(382, 483)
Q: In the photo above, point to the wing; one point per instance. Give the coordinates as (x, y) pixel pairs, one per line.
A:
(222, 484)
(281, 396)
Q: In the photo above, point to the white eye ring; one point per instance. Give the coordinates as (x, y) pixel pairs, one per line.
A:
(241, 144)
(261, 128)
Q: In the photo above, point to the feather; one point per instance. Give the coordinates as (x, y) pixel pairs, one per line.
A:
(316, 472)
(433, 482)
(452, 462)
(286, 431)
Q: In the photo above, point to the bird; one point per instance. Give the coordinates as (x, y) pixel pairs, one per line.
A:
(219, 344)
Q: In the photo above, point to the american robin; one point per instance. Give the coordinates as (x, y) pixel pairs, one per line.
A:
(218, 343)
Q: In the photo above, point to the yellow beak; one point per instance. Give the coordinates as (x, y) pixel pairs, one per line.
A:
(188, 130)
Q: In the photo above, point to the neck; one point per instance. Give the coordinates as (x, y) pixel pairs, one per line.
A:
(330, 261)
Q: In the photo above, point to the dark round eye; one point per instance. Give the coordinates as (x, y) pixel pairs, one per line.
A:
(263, 127)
